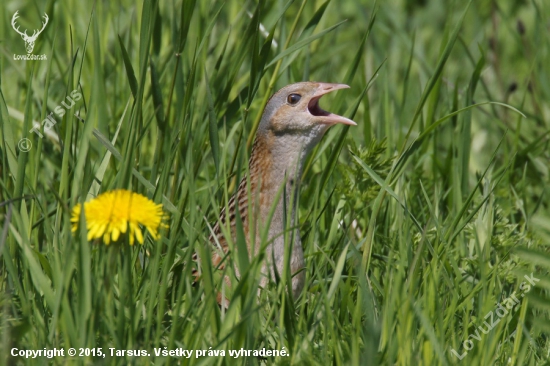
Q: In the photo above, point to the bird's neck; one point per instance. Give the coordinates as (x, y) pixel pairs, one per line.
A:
(275, 170)
(280, 158)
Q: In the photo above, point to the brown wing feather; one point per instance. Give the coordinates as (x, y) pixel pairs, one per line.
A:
(239, 200)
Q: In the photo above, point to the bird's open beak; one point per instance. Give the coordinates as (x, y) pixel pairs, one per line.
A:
(327, 117)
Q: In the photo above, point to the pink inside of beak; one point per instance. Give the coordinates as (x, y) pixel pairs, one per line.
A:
(327, 117)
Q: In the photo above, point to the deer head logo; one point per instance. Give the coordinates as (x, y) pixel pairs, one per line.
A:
(29, 40)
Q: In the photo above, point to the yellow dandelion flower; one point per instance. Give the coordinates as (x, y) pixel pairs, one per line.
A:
(113, 213)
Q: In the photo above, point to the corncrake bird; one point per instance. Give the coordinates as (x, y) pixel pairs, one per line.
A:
(292, 124)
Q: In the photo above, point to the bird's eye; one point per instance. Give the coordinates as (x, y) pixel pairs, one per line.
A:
(293, 98)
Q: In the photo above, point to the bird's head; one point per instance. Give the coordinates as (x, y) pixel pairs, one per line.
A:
(295, 110)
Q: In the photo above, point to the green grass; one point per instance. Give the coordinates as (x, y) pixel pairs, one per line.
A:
(415, 223)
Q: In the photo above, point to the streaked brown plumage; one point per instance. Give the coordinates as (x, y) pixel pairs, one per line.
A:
(292, 124)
